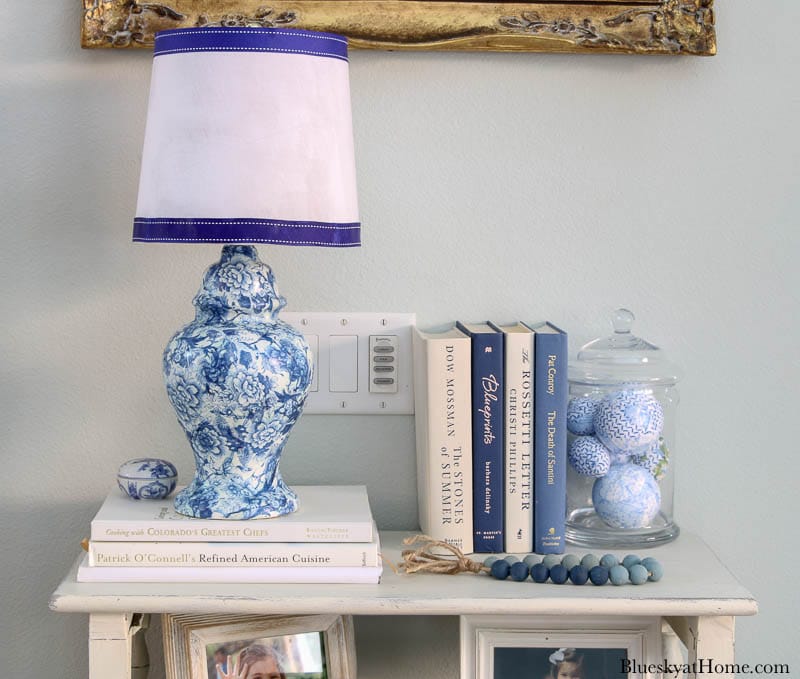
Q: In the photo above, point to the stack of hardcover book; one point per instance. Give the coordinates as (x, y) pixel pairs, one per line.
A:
(490, 404)
(331, 538)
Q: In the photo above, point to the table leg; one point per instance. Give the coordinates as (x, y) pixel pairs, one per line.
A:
(116, 646)
(710, 642)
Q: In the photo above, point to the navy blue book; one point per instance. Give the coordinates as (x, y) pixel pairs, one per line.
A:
(549, 438)
(488, 420)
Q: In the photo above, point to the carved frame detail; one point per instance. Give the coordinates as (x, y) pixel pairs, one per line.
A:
(633, 27)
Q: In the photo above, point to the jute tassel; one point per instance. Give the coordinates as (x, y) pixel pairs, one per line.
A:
(436, 556)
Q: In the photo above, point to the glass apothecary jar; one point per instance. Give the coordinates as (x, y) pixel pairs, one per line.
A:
(621, 442)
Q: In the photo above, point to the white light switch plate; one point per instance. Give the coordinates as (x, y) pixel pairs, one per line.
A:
(362, 362)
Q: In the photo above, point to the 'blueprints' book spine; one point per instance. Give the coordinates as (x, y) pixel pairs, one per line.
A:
(487, 440)
(550, 442)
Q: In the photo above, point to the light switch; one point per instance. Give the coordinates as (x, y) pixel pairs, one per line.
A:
(343, 363)
(384, 366)
(362, 361)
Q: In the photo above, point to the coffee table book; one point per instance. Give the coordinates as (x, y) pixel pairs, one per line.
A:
(232, 574)
(326, 514)
(234, 554)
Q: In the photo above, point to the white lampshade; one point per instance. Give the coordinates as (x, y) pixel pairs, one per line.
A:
(249, 139)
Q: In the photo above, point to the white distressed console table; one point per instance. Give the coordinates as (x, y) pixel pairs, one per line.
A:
(698, 597)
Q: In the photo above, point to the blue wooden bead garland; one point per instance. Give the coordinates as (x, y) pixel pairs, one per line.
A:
(578, 571)
(437, 556)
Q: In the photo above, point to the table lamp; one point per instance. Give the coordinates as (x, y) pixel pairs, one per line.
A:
(248, 140)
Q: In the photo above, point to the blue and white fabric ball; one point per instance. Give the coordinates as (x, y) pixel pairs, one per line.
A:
(580, 415)
(618, 457)
(629, 422)
(654, 460)
(589, 457)
(627, 497)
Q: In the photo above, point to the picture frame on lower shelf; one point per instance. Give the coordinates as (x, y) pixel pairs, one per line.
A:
(537, 647)
(307, 646)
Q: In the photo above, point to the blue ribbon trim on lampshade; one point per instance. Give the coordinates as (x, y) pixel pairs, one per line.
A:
(240, 39)
(199, 230)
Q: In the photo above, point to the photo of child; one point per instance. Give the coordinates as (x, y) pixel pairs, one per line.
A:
(291, 656)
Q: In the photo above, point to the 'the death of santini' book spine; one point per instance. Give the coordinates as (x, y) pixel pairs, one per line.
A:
(550, 439)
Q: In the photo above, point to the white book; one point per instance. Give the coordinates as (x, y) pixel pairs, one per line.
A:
(235, 554)
(518, 429)
(442, 394)
(325, 514)
(278, 575)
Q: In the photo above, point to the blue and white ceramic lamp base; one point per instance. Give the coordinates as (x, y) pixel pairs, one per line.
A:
(237, 377)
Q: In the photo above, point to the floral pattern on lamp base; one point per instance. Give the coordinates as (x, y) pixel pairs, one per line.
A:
(237, 377)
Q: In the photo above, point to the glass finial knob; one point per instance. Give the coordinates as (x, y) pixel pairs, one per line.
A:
(622, 320)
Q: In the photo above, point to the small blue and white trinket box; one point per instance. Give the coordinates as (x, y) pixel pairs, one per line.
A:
(147, 478)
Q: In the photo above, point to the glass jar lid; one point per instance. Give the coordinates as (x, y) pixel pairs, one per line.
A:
(622, 357)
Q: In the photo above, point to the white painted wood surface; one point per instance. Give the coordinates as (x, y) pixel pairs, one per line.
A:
(698, 596)
(695, 583)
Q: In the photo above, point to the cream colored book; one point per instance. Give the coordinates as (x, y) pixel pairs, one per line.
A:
(234, 554)
(518, 437)
(442, 388)
(326, 514)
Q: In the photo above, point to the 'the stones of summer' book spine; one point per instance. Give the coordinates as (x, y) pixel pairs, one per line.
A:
(444, 436)
(550, 441)
(487, 441)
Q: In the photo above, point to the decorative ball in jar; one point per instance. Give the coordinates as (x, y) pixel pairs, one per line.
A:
(621, 441)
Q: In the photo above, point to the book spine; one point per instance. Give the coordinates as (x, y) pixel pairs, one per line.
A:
(550, 442)
(198, 530)
(518, 530)
(487, 441)
(231, 554)
(328, 575)
(444, 438)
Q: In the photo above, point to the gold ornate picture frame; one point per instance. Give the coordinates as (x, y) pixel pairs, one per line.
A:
(632, 26)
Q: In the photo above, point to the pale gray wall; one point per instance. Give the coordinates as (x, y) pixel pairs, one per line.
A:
(491, 185)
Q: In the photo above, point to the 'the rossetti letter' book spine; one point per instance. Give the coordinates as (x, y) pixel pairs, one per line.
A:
(518, 355)
(549, 438)
(487, 435)
(442, 369)
(233, 554)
